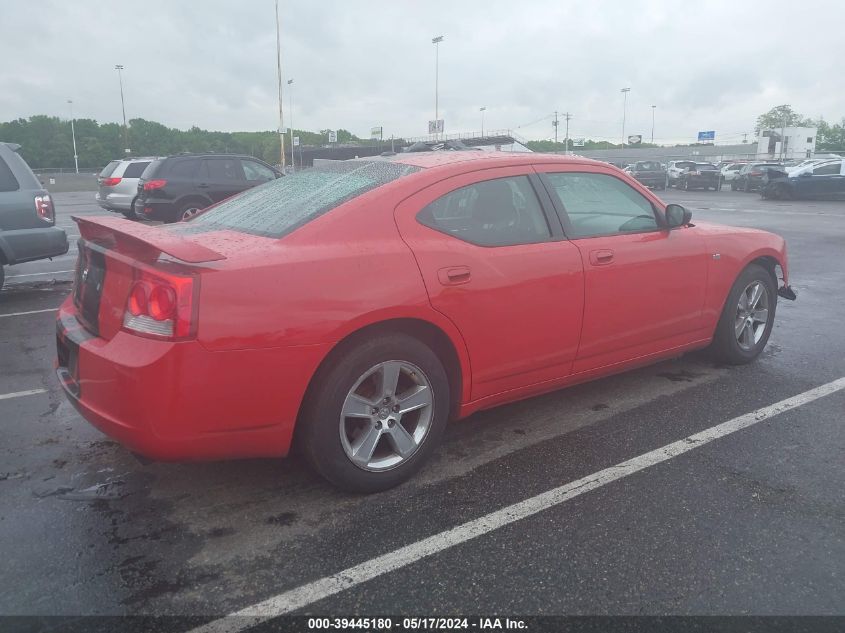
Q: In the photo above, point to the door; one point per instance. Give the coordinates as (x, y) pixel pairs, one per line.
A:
(495, 262)
(644, 284)
(221, 178)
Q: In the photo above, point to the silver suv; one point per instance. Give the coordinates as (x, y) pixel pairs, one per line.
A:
(27, 215)
(118, 184)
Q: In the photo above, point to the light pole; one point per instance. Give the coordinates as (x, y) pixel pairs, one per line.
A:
(482, 109)
(119, 69)
(652, 123)
(436, 41)
(73, 136)
(279, 74)
(624, 92)
(290, 118)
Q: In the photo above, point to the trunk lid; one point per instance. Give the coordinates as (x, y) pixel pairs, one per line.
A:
(112, 252)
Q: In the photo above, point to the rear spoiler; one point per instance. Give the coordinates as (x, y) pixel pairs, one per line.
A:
(136, 238)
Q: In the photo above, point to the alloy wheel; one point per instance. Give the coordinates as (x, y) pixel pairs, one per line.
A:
(386, 415)
(752, 315)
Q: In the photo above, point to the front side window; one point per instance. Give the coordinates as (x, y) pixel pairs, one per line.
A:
(831, 169)
(500, 212)
(598, 204)
(257, 172)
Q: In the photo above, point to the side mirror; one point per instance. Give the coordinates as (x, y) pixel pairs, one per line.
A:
(676, 216)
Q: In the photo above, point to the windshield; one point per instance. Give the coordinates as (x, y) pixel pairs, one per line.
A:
(278, 207)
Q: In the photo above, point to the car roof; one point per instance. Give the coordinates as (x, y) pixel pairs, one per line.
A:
(427, 160)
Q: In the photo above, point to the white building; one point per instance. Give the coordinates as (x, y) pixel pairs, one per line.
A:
(787, 143)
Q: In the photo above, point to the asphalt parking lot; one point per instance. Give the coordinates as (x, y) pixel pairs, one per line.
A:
(749, 523)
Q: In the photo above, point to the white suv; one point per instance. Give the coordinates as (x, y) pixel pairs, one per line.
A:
(118, 184)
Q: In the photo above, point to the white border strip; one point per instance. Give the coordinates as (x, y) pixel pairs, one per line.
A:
(325, 587)
(52, 272)
(18, 394)
(11, 314)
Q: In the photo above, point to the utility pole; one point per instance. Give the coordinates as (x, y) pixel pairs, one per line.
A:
(555, 124)
(482, 109)
(119, 68)
(279, 74)
(436, 41)
(73, 136)
(653, 108)
(624, 92)
(290, 117)
(567, 116)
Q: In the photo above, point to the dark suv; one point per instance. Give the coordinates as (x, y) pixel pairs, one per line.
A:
(178, 187)
(27, 216)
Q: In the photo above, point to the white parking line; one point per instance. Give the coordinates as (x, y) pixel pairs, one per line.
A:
(18, 394)
(319, 589)
(11, 314)
(52, 272)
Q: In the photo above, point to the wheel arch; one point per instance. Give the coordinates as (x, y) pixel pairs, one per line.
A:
(192, 197)
(451, 352)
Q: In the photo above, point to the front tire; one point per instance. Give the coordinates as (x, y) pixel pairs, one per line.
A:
(747, 318)
(376, 413)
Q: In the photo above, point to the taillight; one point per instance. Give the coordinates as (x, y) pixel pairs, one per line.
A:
(154, 184)
(109, 182)
(161, 305)
(44, 208)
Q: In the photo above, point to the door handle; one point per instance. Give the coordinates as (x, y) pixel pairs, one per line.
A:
(454, 275)
(202, 185)
(601, 257)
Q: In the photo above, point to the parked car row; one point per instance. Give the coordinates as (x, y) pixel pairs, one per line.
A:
(173, 188)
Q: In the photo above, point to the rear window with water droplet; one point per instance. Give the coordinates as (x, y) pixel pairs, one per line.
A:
(281, 206)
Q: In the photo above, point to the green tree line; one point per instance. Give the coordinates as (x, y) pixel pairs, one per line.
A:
(47, 141)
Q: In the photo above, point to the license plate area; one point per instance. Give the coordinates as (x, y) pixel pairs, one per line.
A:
(88, 286)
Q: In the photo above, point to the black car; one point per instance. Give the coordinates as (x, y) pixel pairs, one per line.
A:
(649, 172)
(178, 187)
(750, 177)
(700, 176)
(820, 180)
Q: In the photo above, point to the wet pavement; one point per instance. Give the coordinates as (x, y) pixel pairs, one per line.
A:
(749, 524)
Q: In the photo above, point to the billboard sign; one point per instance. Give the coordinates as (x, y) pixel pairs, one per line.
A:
(376, 133)
(578, 142)
(635, 139)
(707, 136)
(435, 127)
(296, 141)
(332, 136)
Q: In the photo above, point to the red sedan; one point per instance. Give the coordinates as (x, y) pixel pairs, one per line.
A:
(355, 308)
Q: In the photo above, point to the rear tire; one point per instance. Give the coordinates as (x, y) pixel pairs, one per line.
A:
(741, 334)
(359, 382)
(188, 210)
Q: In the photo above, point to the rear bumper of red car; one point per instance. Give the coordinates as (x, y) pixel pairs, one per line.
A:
(177, 401)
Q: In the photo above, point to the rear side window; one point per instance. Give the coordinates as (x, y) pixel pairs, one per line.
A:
(186, 169)
(500, 212)
(256, 171)
(134, 170)
(276, 208)
(598, 204)
(8, 182)
(648, 166)
(831, 169)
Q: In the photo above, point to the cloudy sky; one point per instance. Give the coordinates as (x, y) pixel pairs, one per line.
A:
(211, 63)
